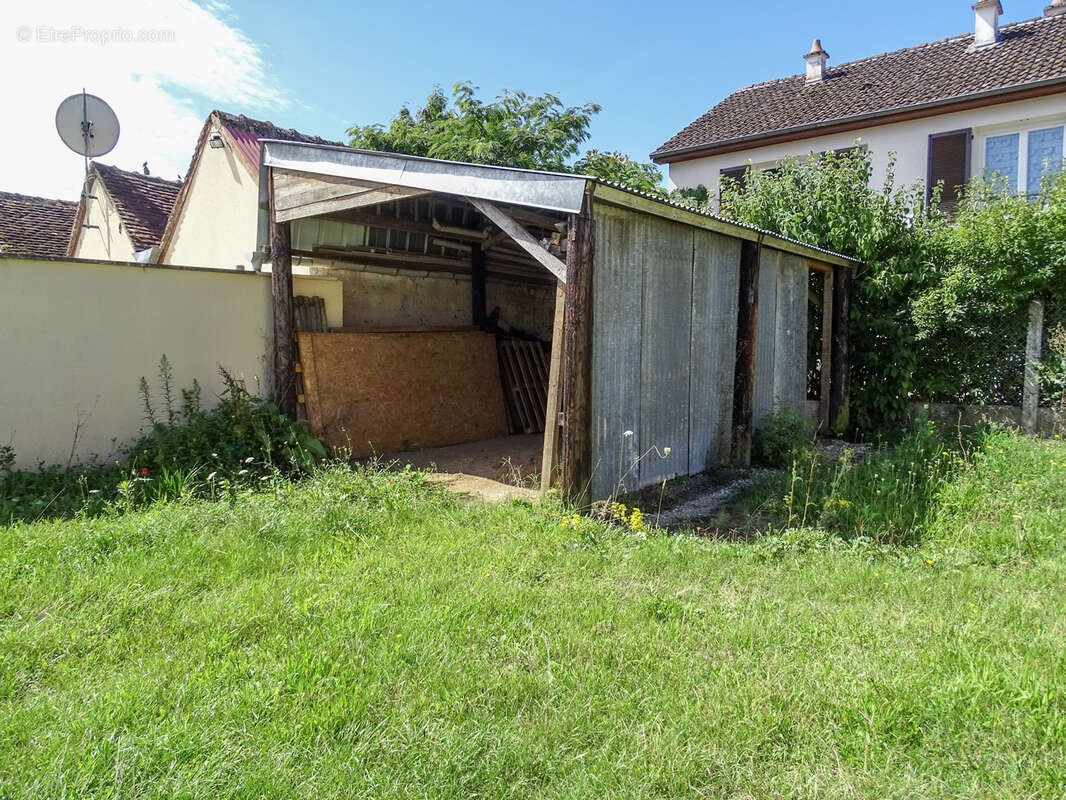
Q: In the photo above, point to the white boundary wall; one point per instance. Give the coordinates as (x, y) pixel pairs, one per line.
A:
(76, 336)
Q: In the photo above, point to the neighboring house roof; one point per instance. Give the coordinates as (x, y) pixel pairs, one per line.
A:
(246, 132)
(242, 134)
(144, 202)
(35, 226)
(1031, 54)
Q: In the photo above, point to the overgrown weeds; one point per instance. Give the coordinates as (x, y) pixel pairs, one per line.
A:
(188, 451)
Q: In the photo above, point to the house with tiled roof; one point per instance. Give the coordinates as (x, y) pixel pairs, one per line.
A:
(122, 215)
(215, 214)
(35, 226)
(990, 101)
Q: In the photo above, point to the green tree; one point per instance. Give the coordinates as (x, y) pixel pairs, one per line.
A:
(514, 130)
(828, 201)
(1004, 250)
(618, 167)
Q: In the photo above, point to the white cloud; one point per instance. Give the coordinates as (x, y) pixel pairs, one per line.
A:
(149, 59)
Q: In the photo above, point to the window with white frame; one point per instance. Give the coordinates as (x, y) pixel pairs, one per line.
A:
(1023, 156)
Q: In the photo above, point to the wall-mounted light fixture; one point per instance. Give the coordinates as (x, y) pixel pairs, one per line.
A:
(216, 141)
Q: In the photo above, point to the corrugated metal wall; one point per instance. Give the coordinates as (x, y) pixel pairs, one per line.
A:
(781, 346)
(664, 349)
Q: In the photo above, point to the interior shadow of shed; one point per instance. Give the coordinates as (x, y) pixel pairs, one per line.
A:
(540, 322)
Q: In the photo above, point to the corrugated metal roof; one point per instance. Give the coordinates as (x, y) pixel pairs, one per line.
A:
(246, 133)
(553, 191)
(724, 220)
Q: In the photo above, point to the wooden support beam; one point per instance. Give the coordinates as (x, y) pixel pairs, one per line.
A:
(576, 371)
(827, 349)
(359, 199)
(1034, 348)
(550, 457)
(839, 365)
(478, 312)
(747, 335)
(522, 238)
(281, 289)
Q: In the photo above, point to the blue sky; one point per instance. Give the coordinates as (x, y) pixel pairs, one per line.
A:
(653, 68)
(322, 66)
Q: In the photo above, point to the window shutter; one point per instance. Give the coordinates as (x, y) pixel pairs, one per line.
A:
(739, 174)
(949, 161)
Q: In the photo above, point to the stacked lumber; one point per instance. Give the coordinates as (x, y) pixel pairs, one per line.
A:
(524, 368)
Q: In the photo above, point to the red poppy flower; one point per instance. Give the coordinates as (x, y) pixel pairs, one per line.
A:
(144, 470)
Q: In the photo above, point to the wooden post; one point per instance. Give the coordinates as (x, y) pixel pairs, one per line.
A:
(550, 456)
(827, 349)
(577, 358)
(747, 335)
(281, 288)
(838, 366)
(1034, 346)
(478, 312)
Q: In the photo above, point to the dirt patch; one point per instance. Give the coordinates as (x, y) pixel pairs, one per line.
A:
(511, 460)
(481, 488)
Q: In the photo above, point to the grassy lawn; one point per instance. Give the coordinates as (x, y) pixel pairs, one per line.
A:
(360, 635)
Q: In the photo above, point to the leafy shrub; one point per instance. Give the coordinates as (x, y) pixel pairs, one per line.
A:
(828, 201)
(785, 437)
(242, 429)
(188, 452)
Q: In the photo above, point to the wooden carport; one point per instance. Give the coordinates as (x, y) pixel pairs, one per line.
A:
(621, 261)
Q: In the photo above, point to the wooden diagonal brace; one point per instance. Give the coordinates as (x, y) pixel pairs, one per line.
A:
(521, 236)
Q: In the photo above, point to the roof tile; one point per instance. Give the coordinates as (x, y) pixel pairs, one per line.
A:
(1030, 52)
(35, 226)
(143, 202)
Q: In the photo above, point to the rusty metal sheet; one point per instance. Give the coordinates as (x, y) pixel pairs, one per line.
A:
(618, 286)
(666, 343)
(715, 287)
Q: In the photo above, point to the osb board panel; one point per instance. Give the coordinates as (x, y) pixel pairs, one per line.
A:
(389, 392)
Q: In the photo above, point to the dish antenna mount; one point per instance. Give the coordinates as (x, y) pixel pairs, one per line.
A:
(87, 125)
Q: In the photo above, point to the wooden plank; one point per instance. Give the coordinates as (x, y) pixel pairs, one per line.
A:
(1034, 346)
(296, 189)
(522, 237)
(281, 289)
(549, 460)
(386, 393)
(747, 335)
(827, 348)
(529, 382)
(577, 357)
(520, 401)
(359, 199)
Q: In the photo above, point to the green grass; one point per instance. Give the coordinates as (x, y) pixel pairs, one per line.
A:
(360, 635)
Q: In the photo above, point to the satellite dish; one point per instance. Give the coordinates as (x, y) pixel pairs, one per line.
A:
(87, 125)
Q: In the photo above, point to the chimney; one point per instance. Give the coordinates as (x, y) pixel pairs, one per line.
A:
(986, 23)
(1056, 8)
(816, 60)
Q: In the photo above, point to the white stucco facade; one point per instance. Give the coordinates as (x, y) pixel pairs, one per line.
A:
(216, 224)
(102, 235)
(909, 141)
